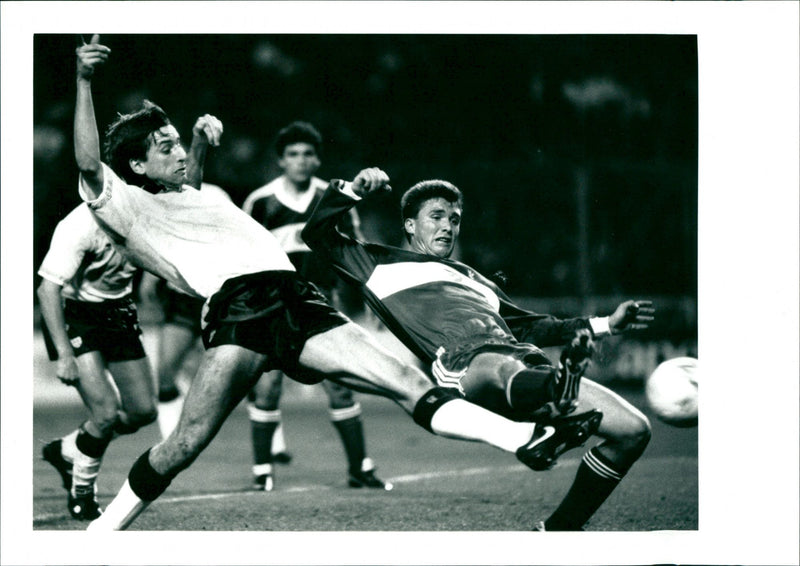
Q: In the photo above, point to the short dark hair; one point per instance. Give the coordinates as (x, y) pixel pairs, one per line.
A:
(128, 137)
(413, 199)
(298, 132)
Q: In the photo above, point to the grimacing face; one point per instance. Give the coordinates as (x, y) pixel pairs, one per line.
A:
(166, 158)
(299, 162)
(435, 228)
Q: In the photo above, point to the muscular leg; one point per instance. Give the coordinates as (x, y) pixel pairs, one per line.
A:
(174, 345)
(352, 357)
(626, 433)
(137, 394)
(225, 376)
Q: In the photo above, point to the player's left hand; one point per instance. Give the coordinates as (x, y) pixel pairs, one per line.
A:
(371, 180)
(210, 127)
(631, 315)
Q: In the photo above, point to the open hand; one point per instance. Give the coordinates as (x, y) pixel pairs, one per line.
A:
(631, 315)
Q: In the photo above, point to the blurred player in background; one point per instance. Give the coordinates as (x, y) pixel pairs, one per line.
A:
(92, 333)
(259, 314)
(475, 340)
(283, 206)
(177, 335)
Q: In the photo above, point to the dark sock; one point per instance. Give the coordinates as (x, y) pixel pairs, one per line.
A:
(145, 482)
(352, 433)
(91, 445)
(262, 440)
(168, 394)
(531, 388)
(595, 480)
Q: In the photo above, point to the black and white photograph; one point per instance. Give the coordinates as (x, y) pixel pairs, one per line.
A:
(400, 283)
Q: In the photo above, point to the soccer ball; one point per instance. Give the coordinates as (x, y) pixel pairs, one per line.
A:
(671, 392)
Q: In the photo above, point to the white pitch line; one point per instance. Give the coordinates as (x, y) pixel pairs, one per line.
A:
(410, 478)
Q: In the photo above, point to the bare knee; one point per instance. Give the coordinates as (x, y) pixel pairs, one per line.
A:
(634, 436)
(105, 417)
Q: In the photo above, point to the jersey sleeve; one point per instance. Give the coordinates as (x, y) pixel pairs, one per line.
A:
(543, 330)
(116, 208)
(68, 246)
(351, 259)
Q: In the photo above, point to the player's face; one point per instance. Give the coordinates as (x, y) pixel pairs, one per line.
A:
(299, 162)
(166, 158)
(435, 229)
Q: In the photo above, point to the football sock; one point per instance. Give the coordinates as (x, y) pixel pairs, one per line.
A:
(443, 412)
(121, 512)
(595, 480)
(262, 427)
(348, 423)
(86, 464)
(68, 447)
(169, 412)
(529, 389)
(279, 441)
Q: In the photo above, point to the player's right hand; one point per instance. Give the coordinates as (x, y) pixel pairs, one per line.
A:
(67, 370)
(90, 55)
(371, 180)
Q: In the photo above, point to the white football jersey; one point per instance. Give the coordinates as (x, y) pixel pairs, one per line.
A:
(83, 260)
(194, 240)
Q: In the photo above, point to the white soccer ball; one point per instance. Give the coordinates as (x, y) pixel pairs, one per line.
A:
(671, 391)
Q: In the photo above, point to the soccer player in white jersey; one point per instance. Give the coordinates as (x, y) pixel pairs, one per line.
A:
(282, 206)
(474, 339)
(259, 314)
(92, 333)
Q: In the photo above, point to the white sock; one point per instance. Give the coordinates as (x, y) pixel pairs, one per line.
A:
(84, 471)
(278, 441)
(68, 447)
(121, 512)
(463, 420)
(168, 415)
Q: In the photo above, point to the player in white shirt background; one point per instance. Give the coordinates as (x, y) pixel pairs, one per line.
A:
(92, 333)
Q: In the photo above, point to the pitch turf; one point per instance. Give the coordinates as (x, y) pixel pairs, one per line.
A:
(440, 484)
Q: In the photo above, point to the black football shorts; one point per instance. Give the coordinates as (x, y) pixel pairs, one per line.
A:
(272, 313)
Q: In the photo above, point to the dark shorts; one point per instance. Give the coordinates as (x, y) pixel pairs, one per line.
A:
(272, 313)
(456, 358)
(181, 309)
(110, 327)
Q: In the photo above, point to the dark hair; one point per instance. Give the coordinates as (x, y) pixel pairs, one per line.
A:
(128, 137)
(298, 132)
(413, 199)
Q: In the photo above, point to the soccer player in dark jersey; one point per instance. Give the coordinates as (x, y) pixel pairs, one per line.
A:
(92, 333)
(282, 206)
(475, 340)
(259, 314)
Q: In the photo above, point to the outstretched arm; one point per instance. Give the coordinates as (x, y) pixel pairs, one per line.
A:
(206, 132)
(87, 140)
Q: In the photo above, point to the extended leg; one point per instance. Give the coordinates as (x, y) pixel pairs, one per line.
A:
(226, 374)
(626, 433)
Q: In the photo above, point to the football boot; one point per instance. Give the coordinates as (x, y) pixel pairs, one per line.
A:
(83, 504)
(554, 437)
(51, 453)
(365, 477)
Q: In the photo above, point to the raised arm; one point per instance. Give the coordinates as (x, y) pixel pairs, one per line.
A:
(349, 256)
(206, 132)
(87, 140)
